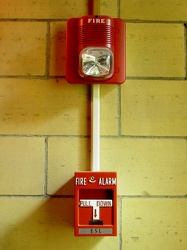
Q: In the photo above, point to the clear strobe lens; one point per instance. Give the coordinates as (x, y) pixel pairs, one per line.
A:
(96, 62)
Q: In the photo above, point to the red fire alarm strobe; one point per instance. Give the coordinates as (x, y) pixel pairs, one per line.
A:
(95, 204)
(95, 50)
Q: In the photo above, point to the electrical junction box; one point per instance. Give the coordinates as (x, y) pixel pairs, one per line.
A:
(95, 203)
(95, 50)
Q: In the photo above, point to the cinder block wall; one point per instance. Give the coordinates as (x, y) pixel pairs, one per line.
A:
(45, 127)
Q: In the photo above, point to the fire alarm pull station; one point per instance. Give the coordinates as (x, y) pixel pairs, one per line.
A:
(95, 204)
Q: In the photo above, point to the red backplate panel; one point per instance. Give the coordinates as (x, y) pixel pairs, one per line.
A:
(95, 204)
(116, 43)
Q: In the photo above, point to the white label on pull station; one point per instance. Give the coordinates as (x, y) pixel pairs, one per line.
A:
(96, 204)
(95, 231)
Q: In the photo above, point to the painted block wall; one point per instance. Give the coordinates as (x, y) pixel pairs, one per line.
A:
(45, 127)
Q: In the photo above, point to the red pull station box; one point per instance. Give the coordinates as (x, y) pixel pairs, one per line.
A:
(95, 50)
(95, 203)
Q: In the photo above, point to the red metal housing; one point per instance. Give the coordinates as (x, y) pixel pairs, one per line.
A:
(95, 203)
(95, 31)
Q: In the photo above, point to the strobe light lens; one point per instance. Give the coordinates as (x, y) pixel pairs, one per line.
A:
(96, 63)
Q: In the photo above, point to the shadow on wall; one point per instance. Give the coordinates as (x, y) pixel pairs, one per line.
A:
(49, 226)
(57, 48)
(44, 105)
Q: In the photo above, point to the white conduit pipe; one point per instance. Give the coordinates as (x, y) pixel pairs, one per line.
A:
(95, 128)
